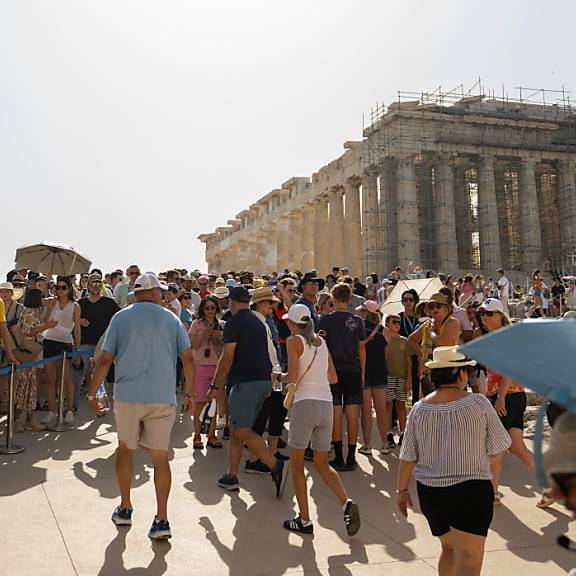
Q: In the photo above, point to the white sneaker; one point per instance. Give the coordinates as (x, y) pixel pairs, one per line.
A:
(49, 418)
(385, 449)
(69, 417)
(366, 450)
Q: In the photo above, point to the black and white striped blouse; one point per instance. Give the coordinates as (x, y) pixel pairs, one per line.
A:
(452, 442)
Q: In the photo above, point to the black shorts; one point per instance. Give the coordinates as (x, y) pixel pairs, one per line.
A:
(272, 414)
(53, 348)
(348, 390)
(515, 404)
(468, 506)
(380, 382)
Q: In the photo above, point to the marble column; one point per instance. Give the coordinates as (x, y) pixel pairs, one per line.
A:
(408, 226)
(567, 202)
(353, 226)
(387, 182)
(370, 222)
(490, 258)
(295, 240)
(336, 228)
(241, 258)
(446, 246)
(321, 263)
(531, 242)
(282, 243)
(307, 243)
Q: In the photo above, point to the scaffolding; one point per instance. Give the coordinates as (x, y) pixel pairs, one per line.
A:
(432, 125)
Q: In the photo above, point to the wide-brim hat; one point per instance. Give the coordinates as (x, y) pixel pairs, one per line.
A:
(448, 357)
(311, 279)
(16, 292)
(261, 294)
(221, 292)
(560, 458)
(439, 298)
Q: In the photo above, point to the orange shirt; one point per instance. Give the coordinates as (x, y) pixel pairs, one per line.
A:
(493, 380)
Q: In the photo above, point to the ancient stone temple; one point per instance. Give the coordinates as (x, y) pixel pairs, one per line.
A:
(449, 182)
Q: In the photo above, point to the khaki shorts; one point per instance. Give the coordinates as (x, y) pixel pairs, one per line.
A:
(145, 425)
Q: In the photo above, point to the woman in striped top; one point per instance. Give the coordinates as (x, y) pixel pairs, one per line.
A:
(452, 440)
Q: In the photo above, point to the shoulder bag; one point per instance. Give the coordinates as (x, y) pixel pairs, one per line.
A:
(291, 388)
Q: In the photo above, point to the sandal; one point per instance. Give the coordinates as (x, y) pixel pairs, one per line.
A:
(545, 500)
(213, 442)
(197, 442)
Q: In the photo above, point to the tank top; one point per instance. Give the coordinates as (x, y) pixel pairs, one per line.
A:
(65, 318)
(314, 385)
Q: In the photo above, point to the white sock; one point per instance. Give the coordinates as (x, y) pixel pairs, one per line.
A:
(346, 504)
(305, 522)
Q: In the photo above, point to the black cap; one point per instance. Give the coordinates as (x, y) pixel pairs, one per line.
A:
(239, 294)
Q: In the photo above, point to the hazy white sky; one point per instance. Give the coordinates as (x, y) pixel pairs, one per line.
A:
(127, 128)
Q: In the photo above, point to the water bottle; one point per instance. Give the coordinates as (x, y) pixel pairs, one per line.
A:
(277, 379)
(102, 398)
(208, 412)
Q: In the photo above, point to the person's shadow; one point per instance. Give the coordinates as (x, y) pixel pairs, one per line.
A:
(114, 561)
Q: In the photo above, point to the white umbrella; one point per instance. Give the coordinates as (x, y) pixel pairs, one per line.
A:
(424, 287)
(50, 258)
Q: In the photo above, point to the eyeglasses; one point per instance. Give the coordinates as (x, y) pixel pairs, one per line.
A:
(62, 287)
(489, 313)
(434, 306)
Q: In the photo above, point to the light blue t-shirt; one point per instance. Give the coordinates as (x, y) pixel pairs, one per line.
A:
(146, 341)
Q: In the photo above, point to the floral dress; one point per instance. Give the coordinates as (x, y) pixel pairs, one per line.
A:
(25, 380)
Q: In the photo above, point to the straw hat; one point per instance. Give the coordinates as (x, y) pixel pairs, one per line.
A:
(261, 294)
(221, 292)
(16, 292)
(448, 357)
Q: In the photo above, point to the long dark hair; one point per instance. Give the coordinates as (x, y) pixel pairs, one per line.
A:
(202, 306)
(68, 283)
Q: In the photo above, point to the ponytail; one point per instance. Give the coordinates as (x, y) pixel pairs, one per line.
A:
(308, 331)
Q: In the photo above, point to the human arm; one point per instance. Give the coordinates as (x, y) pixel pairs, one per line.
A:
(100, 371)
(415, 339)
(222, 370)
(190, 379)
(450, 334)
(408, 385)
(500, 404)
(362, 357)
(403, 499)
(76, 332)
(332, 374)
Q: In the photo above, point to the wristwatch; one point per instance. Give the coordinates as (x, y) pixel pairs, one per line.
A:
(90, 398)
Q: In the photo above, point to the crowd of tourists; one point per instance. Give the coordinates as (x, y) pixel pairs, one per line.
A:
(258, 360)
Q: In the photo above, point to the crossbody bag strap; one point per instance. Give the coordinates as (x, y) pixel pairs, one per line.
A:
(309, 366)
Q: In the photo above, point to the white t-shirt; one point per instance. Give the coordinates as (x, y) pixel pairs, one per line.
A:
(503, 287)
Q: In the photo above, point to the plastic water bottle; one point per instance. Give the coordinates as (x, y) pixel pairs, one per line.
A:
(277, 380)
(208, 412)
(102, 398)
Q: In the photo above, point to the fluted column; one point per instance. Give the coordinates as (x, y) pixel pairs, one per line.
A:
(295, 240)
(567, 201)
(490, 257)
(307, 244)
(447, 248)
(271, 246)
(321, 263)
(408, 226)
(336, 229)
(353, 225)
(370, 222)
(529, 216)
(282, 243)
(386, 253)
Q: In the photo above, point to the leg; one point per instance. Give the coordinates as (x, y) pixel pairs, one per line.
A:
(124, 473)
(255, 444)
(197, 411)
(351, 412)
(51, 376)
(235, 448)
(468, 553)
(519, 449)
(389, 408)
(299, 482)
(337, 425)
(401, 411)
(446, 560)
(379, 399)
(366, 416)
(330, 477)
(162, 481)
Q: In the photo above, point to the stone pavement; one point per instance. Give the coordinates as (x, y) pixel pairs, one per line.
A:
(56, 500)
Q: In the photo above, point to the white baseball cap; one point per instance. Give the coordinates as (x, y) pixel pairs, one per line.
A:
(147, 281)
(492, 305)
(296, 313)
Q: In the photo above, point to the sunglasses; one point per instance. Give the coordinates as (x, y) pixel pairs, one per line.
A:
(489, 313)
(210, 308)
(133, 273)
(435, 306)
(62, 287)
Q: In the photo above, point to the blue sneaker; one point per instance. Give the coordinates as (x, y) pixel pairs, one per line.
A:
(160, 530)
(122, 516)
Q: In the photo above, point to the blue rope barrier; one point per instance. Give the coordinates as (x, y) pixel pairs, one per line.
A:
(41, 362)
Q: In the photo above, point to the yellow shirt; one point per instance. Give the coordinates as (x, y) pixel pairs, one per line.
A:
(2, 313)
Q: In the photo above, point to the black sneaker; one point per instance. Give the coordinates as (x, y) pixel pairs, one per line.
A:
(390, 440)
(281, 444)
(229, 482)
(350, 466)
(160, 530)
(280, 456)
(338, 465)
(122, 516)
(256, 467)
(226, 433)
(309, 454)
(279, 476)
(296, 525)
(400, 438)
(352, 518)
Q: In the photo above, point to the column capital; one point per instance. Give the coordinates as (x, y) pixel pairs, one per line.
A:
(354, 181)
(335, 190)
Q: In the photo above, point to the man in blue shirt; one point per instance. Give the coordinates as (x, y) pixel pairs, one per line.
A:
(144, 341)
(246, 362)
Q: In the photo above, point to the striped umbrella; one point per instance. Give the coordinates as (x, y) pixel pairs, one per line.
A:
(50, 258)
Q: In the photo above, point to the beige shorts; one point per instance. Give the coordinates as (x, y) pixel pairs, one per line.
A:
(145, 425)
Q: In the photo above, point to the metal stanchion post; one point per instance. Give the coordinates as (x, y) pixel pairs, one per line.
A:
(60, 425)
(11, 448)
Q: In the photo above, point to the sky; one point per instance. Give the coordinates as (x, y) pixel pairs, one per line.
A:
(129, 127)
